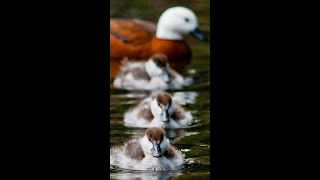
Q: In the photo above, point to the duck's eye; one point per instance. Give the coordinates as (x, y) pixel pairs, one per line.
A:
(186, 19)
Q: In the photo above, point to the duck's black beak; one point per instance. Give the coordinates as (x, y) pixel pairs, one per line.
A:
(199, 35)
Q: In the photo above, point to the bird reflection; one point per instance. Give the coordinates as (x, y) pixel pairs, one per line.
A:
(145, 175)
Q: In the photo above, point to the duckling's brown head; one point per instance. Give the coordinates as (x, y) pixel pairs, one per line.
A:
(156, 137)
(157, 66)
(164, 99)
(160, 60)
(162, 107)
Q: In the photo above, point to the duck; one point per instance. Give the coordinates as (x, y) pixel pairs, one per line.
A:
(150, 152)
(154, 74)
(140, 39)
(159, 111)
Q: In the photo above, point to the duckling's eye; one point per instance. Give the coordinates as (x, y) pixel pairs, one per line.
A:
(159, 104)
(149, 139)
(186, 19)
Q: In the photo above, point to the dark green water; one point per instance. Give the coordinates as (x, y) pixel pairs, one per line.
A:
(193, 141)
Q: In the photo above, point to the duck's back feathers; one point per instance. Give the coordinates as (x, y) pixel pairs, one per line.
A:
(169, 154)
(146, 113)
(181, 116)
(175, 156)
(132, 32)
(132, 75)
(133, 150)
(178, 114)
(140, 73)
(137, 72)
(121, 156)
(130, 38)
(139, 115)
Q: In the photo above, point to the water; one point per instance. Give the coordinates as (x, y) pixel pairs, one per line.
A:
(194, 141)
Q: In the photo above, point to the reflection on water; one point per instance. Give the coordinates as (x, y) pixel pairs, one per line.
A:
(185, 97)
(172, 134)
(193, 141)
(145, 175)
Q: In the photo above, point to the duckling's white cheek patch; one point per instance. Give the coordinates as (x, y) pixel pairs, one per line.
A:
(156, 110)
(146, 145)
(164, 75)
(171, 108)
(150, 146)
(152, 69)
(164, 145)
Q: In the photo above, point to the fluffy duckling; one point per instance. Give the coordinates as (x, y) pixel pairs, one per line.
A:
(155, 74)
(151, 152)
(160, 111)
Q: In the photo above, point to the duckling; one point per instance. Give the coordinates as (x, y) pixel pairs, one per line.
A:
(155, 74)
(151, 152)
(160, 111)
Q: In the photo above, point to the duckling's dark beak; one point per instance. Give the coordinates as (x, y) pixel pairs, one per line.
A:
(199, 35)
(156, 151)
(165, 77)
(165, 116)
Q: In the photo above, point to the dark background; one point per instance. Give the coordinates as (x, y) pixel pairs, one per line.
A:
(55, 99)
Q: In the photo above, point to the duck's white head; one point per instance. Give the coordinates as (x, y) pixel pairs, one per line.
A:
(157, 66)
(176, 22)
(162, 106)
(154, 142)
